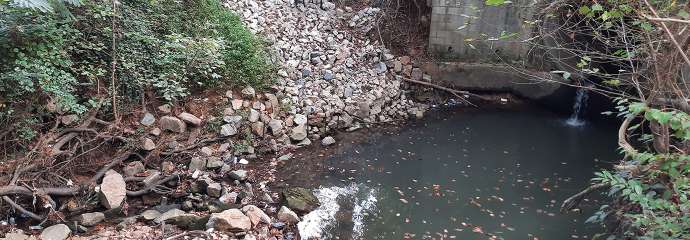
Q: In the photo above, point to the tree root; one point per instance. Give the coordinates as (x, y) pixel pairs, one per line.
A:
(149, 188)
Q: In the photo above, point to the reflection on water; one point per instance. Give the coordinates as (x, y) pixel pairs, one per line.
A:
(467, 175)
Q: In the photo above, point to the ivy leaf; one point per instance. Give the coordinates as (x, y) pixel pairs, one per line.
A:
(584, 10)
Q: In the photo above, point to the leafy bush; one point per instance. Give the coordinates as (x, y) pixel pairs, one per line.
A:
(63, 54)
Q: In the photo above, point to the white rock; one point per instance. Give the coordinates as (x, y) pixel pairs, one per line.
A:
(113, 190)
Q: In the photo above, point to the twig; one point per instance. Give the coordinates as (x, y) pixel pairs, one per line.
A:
(574, 200)
(148, 188)
(190, 233)
(446, 89)
(22, 209)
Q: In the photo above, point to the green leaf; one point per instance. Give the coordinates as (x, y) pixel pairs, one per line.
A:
(495, 2)
(584, 10)
(683, 14)
(597, 7)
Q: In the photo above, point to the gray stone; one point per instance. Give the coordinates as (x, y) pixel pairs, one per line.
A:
(298, 133)
(327, 141)
(56, 232)
(229, 198)
(17, 235)
(91, 219)
(256, 215)
(300, 119)
(113, 190)
(189, 118)
(148, 144)
(306, 72)
(253, 115)
(148, 119)
(169, 214)
(238, 175)
(206, 151)
(197, 163)
(133, 168)
(381, 68)
(172, 124)
(188, 221)
(300, 199)
(276, 126)
(287, 215)
(150, 214)
(214, 163)
(234, 120)
(214, 189)
(228, 130)
(328, 75)
(153, 177)
(248, 92)
(231, 220)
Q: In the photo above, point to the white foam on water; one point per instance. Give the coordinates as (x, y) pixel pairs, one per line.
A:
(320, 223)
(359, 212)
(581, 98)
(315, 225)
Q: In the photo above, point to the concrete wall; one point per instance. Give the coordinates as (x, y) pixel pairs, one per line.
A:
(455, 22)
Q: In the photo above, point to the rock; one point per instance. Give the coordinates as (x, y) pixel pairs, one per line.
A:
(56, 232)
(229, 198)
(155, 131)
(153, 177)
(133, 168)
(253, 115)
(214, 189)
(300, 199)
(69, 119)
(240, 175)
(287, 215)
(188, 221)
(167, 167)
(258, 128)
(91, 219)
(228, 130)
(298, 133)
(172, 124)
(231, 220)
(256, 215)
(148, 144)
(237, 104)
(17, 235)
(417, 74)
(248, 92)
(380, 68)
(197, 163)
(397, 67)
(328, 75)
(168, 214)
(214, 163)
(150, 215)
(148, 119)
(275, 104)
(300, 119)
(267, 198)
(306, 72)
(113, 190)
(206, 151)
(276, 126)
(327, 141)
(165, 108)
(405, 60)
(189, 118)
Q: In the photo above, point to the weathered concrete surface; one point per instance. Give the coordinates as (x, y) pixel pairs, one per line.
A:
(497, 78)
(469, 30)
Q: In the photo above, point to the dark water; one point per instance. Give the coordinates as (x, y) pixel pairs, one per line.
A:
(484, 174)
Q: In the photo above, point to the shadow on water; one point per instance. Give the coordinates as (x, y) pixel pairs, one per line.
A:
(471, 174)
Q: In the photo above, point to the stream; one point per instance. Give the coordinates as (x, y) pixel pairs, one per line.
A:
(458, 174)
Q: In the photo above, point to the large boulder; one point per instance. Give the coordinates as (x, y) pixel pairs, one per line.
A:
(56, 232)
(231, 220)
(113, 190)
(256, 215)
(300, 199)
(172, 124)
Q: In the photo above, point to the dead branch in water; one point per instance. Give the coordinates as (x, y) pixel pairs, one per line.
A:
(450, 90)
(575, 200)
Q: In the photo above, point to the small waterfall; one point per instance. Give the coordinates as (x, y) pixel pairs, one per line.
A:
(581, 98)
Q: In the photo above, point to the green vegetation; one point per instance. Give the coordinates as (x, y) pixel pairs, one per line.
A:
(58, 57)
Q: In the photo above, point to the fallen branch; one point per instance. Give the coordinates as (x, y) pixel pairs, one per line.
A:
(198, 233)
(453, 91)
(575, 200)
(22, 209)
(148, 188)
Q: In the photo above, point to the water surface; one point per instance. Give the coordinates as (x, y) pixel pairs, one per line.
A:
(478, 174)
